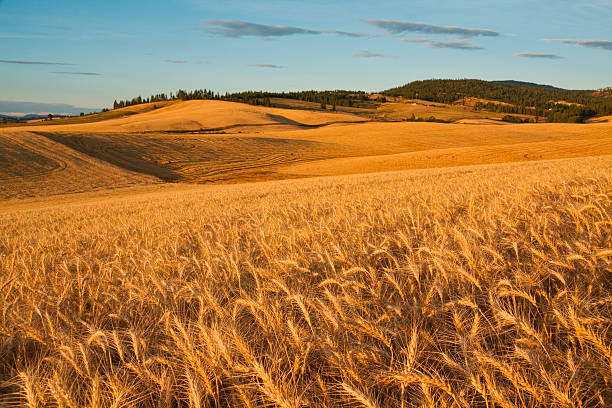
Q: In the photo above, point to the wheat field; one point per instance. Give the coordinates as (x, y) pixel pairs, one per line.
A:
(480, 286)
(224, 142)
(203, 115)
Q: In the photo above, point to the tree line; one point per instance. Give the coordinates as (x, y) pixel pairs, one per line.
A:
(261, 98)
(162, 97)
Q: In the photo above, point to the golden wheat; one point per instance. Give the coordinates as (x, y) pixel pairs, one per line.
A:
(484, 286)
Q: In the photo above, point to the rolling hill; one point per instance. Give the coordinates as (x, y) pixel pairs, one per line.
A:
(435, 264)
(513, 92)
(35, 166)
(558, 105)
(220, 142)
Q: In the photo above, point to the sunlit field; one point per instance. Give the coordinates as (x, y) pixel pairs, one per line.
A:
(479, 286)
(305, 204)
(225, 142)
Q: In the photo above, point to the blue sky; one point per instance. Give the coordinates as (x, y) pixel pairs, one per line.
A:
(88, 53)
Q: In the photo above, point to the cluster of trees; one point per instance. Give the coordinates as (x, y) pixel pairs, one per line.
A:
(503, 108)
(250, 97)
(162, 97)
(578, 114)
(335, 98)
(413, 118)
(324, 98)
(526, 98)
(516, 119)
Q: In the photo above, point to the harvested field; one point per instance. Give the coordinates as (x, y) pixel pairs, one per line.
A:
(200, 158)
(32, 165)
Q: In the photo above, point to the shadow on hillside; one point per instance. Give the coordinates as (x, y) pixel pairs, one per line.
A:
(119, 155)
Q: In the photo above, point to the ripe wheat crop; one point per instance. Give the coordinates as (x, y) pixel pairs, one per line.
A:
(474, 287)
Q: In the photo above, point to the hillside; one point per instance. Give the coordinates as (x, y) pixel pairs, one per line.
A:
(400, 109)
(225, 142)
(524, 97)
(199, 116)
(512, 92)
(32, 165)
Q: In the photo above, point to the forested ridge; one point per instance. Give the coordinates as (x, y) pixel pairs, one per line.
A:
(557, 104)
(513, 97)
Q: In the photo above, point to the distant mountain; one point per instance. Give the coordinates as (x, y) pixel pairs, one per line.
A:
(21, 109)
(32, 116)
(8, 119)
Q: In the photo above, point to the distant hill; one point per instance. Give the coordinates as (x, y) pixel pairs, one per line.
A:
(8, 119)
(513, 92)
(25, 118)
(32, 116)
(559, 105)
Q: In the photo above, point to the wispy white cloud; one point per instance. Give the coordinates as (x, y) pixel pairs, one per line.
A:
(601, 44)
(19, 62)
(274, 66)
(237, 28)
(416, 40)
(455, 45)
(370, 54)
(400, 27)
(541, 55)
